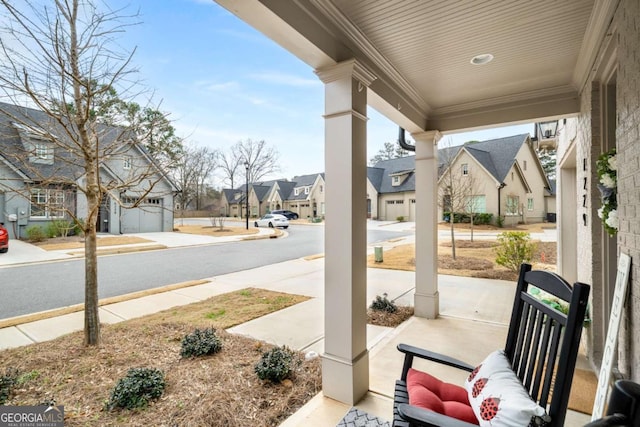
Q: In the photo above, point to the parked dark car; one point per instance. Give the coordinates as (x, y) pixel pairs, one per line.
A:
(4, 238)
(288, 214)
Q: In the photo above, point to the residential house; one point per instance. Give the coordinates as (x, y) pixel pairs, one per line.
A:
(233, 202)
(502, 177)
(307, 197)
(571, 59)
(279, 194)
(303, 195)
(395, 186)
(39, 178)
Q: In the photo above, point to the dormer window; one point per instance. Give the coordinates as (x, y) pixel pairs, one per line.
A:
(126, 163)
(306, 190)
(41, 151)
(398, 178)
(296, 191)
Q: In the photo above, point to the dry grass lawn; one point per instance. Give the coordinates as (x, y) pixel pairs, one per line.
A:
(216, 231)
(473, 259)
(217, 390)
(75, 242)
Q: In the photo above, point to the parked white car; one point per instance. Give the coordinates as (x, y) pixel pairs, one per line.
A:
(272, 220)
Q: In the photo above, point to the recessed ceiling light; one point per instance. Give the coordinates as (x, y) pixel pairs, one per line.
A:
(485, 58)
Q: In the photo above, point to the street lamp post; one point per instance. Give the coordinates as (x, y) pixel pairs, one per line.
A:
(246, 167)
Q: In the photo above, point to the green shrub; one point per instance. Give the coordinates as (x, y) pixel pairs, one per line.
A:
(200, 343)
(482, 218)
(276, 364)
(400, 218)
(500, 221)
(514, 248)
(381, 303)
(137, 388)
(35, 233)
(78, 228)
(7, 382)
(61, 227)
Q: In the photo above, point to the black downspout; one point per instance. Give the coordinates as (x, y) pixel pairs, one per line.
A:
(500, 187)
(403, 142)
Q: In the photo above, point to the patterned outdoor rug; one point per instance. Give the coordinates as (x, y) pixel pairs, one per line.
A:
(357, 418)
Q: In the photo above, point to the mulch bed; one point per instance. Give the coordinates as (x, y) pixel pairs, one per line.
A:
(384, 318)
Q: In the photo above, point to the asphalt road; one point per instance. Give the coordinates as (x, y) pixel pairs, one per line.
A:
(36, 287)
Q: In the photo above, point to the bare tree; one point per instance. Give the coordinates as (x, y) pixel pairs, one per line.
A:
(59, 59)
(230, 163)
(262, 158)
(193, 169)
(456, 186)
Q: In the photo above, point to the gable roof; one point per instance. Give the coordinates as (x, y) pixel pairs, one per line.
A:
(261, 190)
(374, 174)
(302, 181)
(497, 156)
(285, 188)
(230, 195)
(22, 127)
(398, 166)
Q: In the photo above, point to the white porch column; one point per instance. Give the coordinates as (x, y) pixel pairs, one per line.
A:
(345, 362)
(426, 298)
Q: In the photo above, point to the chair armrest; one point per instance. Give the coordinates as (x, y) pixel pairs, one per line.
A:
(422, 417)
(411, 351)
(615, 420)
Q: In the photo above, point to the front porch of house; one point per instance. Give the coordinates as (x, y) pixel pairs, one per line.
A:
(472, 323)
(457, 68)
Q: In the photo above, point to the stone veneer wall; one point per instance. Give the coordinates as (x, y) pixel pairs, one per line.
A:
(628, 143)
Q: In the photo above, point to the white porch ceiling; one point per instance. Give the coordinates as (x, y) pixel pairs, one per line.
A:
(420, 51)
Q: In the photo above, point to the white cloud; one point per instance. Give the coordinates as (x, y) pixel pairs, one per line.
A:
(223, 86)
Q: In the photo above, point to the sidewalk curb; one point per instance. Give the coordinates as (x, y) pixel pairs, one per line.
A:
(28, 318)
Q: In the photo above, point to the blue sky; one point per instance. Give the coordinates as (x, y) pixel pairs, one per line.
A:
(222, 81)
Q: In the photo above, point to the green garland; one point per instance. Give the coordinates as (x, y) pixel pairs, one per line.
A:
(607, 168)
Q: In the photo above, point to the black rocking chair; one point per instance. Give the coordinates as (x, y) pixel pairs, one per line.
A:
(539, 336)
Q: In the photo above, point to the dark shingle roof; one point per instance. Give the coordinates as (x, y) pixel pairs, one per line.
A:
(496, 155)
(230, 194)
(261, 190)
(21, 126)
(285, 188)
(375, 177)
(393, 166)
(302, 181)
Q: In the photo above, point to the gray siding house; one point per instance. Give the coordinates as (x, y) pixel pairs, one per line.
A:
(39, 179)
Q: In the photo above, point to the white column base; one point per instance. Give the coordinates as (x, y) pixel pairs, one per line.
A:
(346, 381)
(426, 305)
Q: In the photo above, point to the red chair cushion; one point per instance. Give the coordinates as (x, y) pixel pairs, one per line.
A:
(428, 392)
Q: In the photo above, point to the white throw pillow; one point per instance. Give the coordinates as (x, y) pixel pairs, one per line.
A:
(498, 397)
